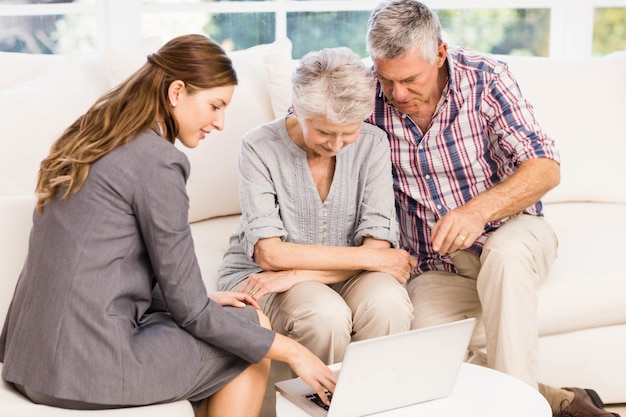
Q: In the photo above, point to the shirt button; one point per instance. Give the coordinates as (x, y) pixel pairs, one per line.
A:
(427, 176)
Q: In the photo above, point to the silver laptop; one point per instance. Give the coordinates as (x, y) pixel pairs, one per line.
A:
(390, 372)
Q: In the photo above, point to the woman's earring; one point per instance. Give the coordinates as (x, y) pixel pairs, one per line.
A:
(173, 104)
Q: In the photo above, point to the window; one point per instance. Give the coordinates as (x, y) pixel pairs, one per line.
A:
(609, 30)
(499, 31)
(47, 26)
(522, 27)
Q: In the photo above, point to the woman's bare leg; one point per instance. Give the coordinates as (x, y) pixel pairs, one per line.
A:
(250, 385)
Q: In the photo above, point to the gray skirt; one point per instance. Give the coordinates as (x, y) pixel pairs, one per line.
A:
(217, 368)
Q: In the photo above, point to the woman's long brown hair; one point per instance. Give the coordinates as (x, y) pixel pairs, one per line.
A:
(129, 109)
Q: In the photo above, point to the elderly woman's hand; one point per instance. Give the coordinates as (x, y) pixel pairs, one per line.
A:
(395, 262)
(268, 282)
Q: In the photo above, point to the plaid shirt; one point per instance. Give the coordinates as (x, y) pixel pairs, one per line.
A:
(482, 129)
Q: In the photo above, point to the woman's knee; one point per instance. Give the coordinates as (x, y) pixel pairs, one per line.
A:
(381, 307)
(323, 316)
(379, 291)
(327, 312)
(393, 304)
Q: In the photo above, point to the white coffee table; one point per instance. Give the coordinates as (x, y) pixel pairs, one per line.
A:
(479, 392)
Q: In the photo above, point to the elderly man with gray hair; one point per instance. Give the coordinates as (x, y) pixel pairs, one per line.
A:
(470, 166)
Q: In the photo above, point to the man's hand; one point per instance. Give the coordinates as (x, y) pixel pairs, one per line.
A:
(457, 229)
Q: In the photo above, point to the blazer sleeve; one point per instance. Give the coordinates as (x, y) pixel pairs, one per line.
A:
(161, 206)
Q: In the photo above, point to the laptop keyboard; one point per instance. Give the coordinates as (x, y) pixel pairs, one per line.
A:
(317, 400)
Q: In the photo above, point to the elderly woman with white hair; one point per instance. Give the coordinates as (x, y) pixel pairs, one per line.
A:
(317, 242)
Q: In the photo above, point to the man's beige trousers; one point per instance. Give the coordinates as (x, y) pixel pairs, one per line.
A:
(500, 289)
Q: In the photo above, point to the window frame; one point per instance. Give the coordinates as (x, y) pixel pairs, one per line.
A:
(571, 21)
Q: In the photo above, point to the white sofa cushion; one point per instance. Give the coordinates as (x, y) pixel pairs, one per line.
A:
(35, 113)
(19, 68)
(122, 63)
(586, 286)
(211, 241)
(572, 105)
(14, 404)
(279, 69)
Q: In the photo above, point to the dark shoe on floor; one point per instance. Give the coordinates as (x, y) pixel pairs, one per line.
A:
(586, 403)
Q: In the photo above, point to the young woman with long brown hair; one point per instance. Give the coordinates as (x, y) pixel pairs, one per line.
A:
(110, 309)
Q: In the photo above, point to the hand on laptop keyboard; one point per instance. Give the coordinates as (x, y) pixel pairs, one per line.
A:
(317, 400)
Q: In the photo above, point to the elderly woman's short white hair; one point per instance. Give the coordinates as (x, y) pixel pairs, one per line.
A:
(335, 84)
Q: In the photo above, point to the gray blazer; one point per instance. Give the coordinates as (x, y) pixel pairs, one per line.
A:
(81, 326)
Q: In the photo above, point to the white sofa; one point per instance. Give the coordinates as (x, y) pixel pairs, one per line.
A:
(582, 307)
